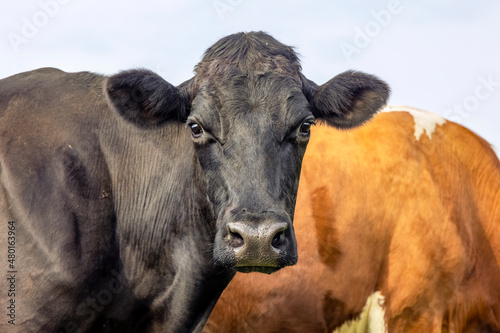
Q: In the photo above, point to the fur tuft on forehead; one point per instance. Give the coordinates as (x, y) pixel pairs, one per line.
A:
(252, 52)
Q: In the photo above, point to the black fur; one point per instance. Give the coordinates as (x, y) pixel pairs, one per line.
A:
(144, 98)
(247, 50)
(349, 99)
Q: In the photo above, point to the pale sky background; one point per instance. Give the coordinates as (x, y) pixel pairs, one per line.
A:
(440, 55)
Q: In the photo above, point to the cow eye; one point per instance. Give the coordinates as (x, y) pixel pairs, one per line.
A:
(196, 130)
(305, 128)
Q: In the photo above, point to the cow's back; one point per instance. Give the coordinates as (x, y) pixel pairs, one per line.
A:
(406, 205)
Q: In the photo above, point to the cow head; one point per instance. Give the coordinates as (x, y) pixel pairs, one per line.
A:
(249, 111)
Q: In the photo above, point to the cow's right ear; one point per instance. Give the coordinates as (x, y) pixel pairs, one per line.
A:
(145, 99)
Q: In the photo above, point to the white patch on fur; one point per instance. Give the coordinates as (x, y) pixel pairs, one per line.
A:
(371, 320)
(425, 121)
(376, 314)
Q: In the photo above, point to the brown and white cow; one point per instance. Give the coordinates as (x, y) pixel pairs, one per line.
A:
(406, 210)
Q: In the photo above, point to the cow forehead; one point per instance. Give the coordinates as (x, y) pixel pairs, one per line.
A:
(256, 64)
(233, 92)
(258, 75)
(233, 83)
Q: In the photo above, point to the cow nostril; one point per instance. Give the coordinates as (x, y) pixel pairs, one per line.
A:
(278, 240)
(235, 239)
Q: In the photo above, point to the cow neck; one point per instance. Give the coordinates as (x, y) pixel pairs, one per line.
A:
(160, 208)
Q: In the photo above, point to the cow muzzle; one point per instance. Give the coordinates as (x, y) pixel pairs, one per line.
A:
(262, 242)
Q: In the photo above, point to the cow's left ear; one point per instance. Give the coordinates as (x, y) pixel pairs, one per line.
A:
(145, 99)
(347, 100)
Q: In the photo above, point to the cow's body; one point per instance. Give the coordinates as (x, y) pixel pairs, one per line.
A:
(88, 202)
(133, 202)
(408, 207)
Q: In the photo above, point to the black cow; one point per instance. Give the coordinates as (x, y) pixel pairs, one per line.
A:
(131, 203)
